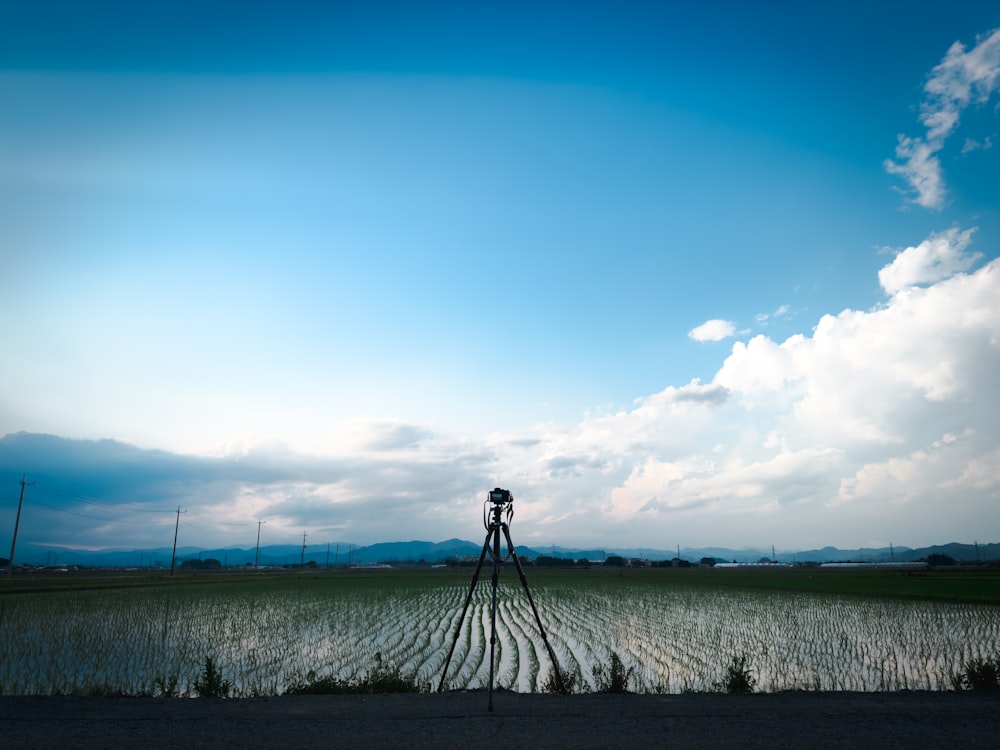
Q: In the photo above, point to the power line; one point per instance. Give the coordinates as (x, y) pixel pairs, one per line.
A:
(75, 513)
(238, 524)
(94, 501)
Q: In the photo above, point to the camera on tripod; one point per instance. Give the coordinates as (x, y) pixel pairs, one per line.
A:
(499, 504)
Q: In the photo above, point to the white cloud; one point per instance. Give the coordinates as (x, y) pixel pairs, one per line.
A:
(962, 78)
(938, 257)
(713, 330)
(971, 145)
(781, 312)
(919, 166)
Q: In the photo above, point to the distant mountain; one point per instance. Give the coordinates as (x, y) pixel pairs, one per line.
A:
(863, 554)
(960, 552)
(436, 552)
(415, 551)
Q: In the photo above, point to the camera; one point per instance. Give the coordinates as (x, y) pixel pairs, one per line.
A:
(500, 497)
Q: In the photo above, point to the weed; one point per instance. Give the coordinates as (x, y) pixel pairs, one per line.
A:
(211, 683)
(978, 674)
(570, 680)
(738, 678)
(613, 678)
(166, 686)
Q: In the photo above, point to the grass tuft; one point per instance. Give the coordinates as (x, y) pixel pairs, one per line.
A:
(211, 684)
(978, 674)
(738, 678)
(377, 680)
(570, 681)
(612, 678)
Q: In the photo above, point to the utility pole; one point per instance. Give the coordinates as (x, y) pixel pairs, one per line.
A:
(303, 563)
(327, 555)
(17, 522)
(177, 526)
(256, 559)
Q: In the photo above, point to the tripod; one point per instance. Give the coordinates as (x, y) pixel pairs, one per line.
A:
(493, 519)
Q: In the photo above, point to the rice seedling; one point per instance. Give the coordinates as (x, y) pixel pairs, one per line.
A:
(263, 635)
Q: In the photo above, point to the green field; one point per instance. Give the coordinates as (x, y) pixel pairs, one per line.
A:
(949, 584)
(973, 585)
(801, 628)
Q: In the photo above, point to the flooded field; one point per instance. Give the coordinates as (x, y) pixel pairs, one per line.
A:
(264, 634)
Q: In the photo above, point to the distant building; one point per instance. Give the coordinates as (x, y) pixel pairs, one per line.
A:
(886, 565)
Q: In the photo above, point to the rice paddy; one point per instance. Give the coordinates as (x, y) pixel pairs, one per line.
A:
(675, 635)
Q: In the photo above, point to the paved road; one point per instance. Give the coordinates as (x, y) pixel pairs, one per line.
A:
(688, 722)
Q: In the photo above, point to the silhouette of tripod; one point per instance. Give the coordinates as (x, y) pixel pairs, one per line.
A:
(493, 519)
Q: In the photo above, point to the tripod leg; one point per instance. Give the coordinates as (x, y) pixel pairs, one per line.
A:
(468, 599)
(538, 620)
(493, 610)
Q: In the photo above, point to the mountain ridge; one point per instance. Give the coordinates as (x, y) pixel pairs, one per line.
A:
(418, 551)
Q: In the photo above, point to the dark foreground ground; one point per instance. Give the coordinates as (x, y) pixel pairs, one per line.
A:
(782, 720)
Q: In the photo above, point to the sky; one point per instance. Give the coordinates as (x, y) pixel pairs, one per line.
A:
(673, 273)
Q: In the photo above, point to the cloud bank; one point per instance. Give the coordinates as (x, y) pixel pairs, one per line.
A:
(964, 77)
(879, 426)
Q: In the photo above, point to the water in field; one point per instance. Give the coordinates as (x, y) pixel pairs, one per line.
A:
(263, 636)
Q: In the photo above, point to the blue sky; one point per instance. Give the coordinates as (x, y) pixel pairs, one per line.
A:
(675, 275)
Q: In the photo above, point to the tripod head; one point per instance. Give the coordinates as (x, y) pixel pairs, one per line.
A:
(500, 500)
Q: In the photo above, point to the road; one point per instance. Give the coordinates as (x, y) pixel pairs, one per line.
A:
(772, 721)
